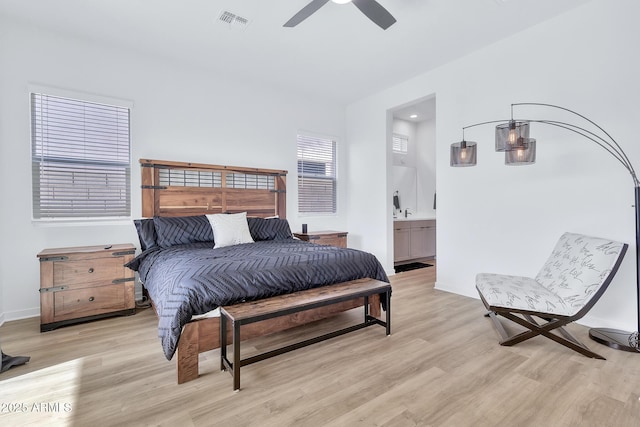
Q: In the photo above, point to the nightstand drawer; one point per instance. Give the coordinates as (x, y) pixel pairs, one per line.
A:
(86, 273)
(339, 241)
(89, 301)
(332, 238)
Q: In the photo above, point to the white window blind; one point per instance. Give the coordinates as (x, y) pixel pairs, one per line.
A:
(81, 159)
(400, 143)
(316, 175)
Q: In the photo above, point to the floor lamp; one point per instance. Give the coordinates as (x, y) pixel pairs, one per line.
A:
(512, 138)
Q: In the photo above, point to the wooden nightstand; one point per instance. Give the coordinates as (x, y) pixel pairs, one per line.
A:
(333, 238)
(85, 283)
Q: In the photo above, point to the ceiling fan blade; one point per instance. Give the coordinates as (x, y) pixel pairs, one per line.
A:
(375, 12)
(305, 12)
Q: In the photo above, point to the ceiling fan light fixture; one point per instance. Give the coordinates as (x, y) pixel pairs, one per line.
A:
(370, 8)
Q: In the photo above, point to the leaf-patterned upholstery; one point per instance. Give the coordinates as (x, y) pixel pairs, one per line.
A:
(523, 293)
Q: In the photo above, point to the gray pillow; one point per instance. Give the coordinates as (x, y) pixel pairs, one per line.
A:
(269, 229)
(146, 233)
(180, 230)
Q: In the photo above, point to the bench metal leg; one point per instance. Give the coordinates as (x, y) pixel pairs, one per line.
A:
(236, 356)
(366, 309)
(223, 341)
(388, 301)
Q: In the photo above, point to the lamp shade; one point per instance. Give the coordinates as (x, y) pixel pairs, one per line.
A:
(463, 153)
(521, 156)
(512, 135)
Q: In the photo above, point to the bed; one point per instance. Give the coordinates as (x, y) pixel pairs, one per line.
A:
(196, 255)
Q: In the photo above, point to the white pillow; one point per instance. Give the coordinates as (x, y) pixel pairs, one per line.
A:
(230, 229)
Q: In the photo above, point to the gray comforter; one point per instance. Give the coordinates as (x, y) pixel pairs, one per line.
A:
(193, 279)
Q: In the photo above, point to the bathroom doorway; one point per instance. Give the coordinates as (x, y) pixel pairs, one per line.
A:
(413, 149)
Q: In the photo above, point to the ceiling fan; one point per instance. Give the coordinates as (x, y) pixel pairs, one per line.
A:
(371, 8)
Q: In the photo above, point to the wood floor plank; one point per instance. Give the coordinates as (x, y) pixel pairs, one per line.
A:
(441, 366)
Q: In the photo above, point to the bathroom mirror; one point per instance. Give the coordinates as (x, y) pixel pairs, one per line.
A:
(405, 182)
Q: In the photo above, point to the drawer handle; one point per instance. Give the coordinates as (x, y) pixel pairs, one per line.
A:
(91, 270)
(91, 298)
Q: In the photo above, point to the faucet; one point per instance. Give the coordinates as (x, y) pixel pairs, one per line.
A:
(406, 212)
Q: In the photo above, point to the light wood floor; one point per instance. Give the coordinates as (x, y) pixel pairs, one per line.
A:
(442, 366)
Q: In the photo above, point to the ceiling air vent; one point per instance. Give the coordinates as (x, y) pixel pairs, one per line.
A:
(233, 20)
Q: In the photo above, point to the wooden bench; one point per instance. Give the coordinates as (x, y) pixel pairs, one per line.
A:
(282, 305)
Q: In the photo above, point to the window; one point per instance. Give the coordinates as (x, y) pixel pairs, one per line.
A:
(80, 155)
(316, 175)
(400, 143)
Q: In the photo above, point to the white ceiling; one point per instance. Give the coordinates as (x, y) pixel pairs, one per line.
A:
(337, 54)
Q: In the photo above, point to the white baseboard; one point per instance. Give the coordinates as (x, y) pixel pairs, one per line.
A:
(597, 322)
(20, 314)
(464, 292)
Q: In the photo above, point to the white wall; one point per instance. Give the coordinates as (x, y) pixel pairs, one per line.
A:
(507, 219)
(180, 113)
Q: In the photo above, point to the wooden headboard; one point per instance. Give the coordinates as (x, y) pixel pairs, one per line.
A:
(180, 188)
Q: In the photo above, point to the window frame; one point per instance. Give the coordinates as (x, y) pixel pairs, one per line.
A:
(403, 143)
(333, 178)
(91, 99)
